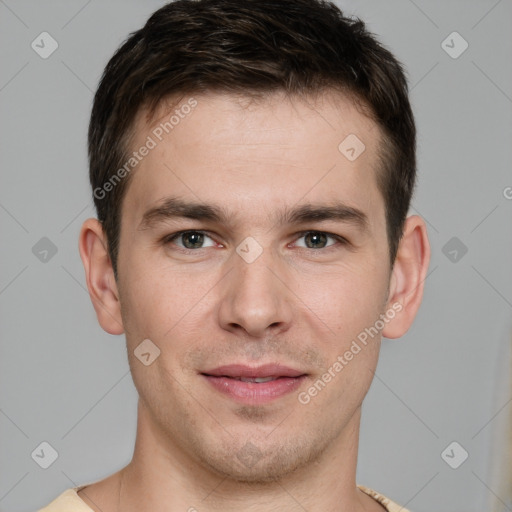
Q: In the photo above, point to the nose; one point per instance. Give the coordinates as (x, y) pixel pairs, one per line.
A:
(254, 299)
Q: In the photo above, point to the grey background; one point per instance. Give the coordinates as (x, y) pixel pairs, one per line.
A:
(64, 381)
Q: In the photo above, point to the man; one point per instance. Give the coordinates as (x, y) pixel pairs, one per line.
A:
(252, 165)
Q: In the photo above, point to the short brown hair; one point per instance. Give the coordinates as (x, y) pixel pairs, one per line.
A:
(300, 47)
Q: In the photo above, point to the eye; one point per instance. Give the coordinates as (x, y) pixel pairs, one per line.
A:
(190, 239)
(319, 239)
(194, 239)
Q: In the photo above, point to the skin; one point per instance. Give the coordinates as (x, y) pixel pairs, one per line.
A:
(296, 304)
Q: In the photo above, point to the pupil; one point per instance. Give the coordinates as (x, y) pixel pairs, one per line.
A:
(196, 240)
(315, 238)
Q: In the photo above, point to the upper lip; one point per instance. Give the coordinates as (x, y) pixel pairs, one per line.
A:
(242, 370)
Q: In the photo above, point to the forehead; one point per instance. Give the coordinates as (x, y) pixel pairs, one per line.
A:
(255, 154)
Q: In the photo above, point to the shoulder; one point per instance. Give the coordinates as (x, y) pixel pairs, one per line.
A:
(68, 501)
(389, 505)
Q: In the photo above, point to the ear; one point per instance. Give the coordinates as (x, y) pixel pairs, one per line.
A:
(99, 276)
(408, 276)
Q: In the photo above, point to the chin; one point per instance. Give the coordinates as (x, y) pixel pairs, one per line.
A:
(252, 466)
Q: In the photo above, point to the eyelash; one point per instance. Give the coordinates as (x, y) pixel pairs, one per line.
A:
(170, 238)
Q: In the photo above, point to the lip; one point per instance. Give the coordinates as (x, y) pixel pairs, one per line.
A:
(225, 379)
(242, 370)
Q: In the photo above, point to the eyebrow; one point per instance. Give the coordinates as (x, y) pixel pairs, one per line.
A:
(174, 207)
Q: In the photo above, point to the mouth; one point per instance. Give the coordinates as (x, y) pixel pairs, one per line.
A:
(254, 385)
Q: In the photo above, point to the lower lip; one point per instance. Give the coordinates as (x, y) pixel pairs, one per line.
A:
(255, 392)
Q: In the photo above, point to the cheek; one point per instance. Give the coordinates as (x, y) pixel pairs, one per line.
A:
(148, 304)
(162, 303)
(346, 299)
(157, 309)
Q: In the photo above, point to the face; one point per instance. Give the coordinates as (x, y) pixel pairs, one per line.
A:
(252, 247)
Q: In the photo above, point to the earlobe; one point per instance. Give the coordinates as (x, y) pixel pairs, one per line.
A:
(99, 275)
(408, 276)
